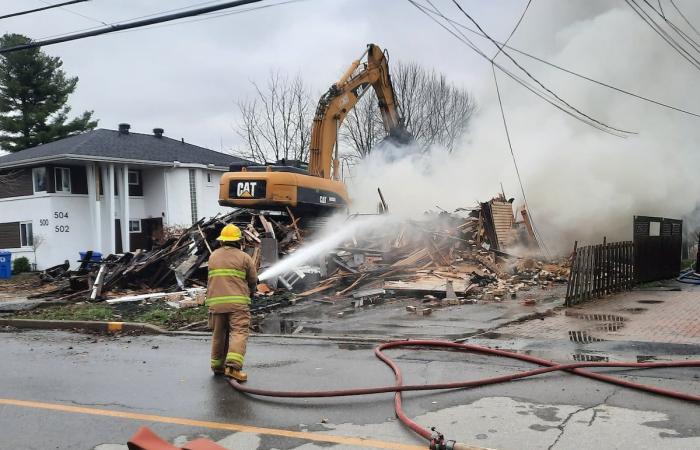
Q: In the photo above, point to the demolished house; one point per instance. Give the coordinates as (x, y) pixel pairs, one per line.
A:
(461, 256)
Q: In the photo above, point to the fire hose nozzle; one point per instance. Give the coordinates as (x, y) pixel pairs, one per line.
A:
(452, 445)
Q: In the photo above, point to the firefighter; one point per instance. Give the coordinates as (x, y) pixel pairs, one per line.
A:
(232, 282)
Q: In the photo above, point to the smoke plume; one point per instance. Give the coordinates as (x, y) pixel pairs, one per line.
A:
(581, 184)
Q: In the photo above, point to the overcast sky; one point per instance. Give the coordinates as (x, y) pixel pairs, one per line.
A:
(187, 77)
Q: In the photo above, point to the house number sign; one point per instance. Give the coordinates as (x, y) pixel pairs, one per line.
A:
(61, 228)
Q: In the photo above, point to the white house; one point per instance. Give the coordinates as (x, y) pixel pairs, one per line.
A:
(104, 190)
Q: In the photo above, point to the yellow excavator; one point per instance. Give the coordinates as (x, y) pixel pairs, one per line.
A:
(316, 189)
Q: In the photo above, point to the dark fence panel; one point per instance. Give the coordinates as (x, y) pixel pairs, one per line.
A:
(657, 248)
(598, 270)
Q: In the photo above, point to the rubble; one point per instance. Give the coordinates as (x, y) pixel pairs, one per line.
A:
(172, 267)
(449, 258)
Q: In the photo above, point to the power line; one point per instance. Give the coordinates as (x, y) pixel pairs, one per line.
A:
(158, 13)
(538, 237)
(684, 18)
(532, 77)
(532, 88)
(126, 26)
(84, 16)
(43, 8)
(517, 24)
(221, 14)
(664, 35)
(576, 74)
(675, 28)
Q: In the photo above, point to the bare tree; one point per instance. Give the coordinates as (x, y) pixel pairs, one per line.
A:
(276, 122)
(37, 241)
(435, 111)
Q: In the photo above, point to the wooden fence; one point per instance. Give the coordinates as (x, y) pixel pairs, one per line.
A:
(598, 270)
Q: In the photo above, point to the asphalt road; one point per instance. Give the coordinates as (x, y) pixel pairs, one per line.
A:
(62, 390)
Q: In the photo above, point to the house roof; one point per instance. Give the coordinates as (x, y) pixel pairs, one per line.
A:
(102, 144)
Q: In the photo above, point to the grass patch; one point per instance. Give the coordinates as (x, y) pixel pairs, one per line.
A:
(156, 313)
(70, 312)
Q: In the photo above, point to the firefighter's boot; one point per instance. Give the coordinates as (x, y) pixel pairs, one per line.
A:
(236, 374)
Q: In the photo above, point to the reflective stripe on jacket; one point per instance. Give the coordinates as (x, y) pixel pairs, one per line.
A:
(232, 278)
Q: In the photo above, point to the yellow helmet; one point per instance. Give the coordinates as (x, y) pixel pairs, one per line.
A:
(230, 233)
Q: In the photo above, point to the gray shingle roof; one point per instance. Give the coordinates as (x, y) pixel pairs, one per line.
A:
(104, 143)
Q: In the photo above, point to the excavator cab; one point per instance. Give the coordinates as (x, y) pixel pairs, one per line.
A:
(280, 186)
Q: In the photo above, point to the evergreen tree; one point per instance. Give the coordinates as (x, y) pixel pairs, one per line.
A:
(33, 95)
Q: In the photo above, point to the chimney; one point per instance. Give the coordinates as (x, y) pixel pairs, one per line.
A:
(158, 132)
(124, 128)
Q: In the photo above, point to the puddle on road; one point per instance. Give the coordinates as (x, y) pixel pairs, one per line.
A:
(583, 357)
(635, 310)
(610, 326)
(650, 302)
(595, 317)
(583, 337)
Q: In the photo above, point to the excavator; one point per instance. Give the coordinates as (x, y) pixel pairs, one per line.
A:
(315, 190)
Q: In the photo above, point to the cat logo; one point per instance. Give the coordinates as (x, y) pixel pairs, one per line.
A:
(246, 189)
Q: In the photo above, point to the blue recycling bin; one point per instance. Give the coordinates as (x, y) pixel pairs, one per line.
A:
(5, 265)
(96, 256)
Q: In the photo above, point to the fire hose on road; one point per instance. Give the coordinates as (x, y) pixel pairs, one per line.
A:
(437, 440)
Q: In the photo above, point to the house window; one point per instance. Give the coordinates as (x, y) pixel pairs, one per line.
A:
(654, 228)
(62, 178)
(25, 234)
(134, 178)
(135, 226)
(39, 177)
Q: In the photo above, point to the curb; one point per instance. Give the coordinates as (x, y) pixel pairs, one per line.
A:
(105, 327)
(147, 328)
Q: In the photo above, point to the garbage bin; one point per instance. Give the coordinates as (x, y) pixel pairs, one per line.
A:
(5, 264)
(96, 256)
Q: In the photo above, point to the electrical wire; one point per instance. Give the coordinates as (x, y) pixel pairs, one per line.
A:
(573, 73)
(158, 13)
(675, 28)
(538, 236)
(219, 15)
(43, 8)
(129, 25)
(517, 24)
(532, 77)
(532, 88)
(680, 13)
(75, 13)
(663, 34)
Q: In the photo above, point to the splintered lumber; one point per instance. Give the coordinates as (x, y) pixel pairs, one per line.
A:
(413, 258)
(324, 286)
(352, 286)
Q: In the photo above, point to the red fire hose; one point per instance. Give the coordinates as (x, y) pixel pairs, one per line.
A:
(437, 440)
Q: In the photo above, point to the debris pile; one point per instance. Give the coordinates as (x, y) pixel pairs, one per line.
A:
(174, 266)
(455, 257)
(459, 257)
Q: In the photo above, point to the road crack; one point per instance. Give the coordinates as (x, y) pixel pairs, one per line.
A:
(568, 418)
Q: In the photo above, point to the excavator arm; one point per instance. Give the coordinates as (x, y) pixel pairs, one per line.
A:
(341, 98)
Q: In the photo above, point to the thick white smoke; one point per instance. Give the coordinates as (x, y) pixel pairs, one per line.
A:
(581, 183)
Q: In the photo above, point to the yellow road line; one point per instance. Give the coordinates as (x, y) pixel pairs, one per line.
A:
(318, 437)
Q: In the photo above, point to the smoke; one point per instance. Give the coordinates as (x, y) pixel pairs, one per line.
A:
(581, 184)
(336, 231)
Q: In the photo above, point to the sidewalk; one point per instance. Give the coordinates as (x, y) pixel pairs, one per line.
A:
(639, 315)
